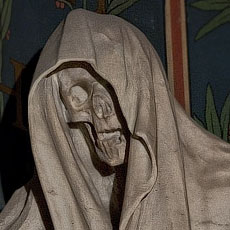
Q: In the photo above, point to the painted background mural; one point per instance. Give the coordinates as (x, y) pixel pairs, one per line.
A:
(209, 55)
(191, 37)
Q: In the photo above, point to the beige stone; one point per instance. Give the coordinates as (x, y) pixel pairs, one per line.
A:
(113, 149)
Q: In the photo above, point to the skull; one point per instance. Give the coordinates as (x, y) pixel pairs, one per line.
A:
(86, 100)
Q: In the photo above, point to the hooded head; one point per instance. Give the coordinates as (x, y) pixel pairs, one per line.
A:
(106, 66)
(102, 71)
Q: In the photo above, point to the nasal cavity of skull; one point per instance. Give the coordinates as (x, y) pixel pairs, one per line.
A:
(78, 95)
(102, 108)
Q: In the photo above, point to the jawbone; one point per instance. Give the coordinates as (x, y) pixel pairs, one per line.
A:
(112, 146)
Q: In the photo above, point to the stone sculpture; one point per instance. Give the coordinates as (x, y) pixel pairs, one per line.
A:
(100, 94)
(87, 101)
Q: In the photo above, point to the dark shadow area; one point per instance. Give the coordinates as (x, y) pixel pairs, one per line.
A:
(16, 160)
(34, 186)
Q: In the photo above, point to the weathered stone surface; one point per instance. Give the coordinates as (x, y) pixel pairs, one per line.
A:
(113, 149)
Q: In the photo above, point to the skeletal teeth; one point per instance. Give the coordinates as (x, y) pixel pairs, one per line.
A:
(108, 136)
(109, 151)
(111, 146)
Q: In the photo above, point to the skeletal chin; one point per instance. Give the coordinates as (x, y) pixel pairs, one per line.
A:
(112, 148)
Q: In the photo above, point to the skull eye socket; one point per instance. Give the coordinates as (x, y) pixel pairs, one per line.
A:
(78, 95)
(102, 106)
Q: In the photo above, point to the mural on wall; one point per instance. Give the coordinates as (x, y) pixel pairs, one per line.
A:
(114, 7)
(214, 122)
(197, 41)
(5, 9)
(222, 17)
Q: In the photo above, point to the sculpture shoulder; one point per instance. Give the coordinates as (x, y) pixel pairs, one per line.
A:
(26, 209)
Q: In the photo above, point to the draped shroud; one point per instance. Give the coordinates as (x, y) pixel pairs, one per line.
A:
(178, 174)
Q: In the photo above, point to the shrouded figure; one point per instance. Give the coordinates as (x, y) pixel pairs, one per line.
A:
(112, 148)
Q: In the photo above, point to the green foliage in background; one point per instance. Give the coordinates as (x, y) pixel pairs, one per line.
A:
(218, 125)
(222, 17)
(5, 14)
(69, 4)
(117, 6)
